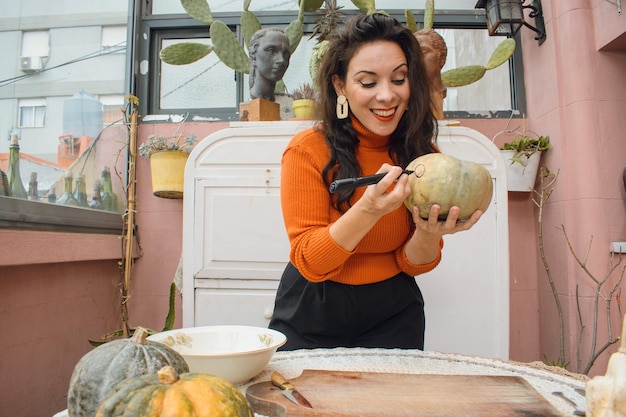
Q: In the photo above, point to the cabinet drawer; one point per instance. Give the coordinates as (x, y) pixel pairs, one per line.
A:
(239, 306)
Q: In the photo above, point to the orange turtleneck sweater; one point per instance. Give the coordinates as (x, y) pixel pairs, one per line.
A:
(308, 214)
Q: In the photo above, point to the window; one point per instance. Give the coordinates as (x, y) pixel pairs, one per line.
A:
(208, 88)
(36, 43)
(206, 83)
(32, 112)
(61, 91)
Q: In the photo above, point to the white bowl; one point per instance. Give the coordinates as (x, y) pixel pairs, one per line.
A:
(234, 353)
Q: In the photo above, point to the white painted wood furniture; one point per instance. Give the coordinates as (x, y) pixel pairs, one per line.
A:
(235, 246)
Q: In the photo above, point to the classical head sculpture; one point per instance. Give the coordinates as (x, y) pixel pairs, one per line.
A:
(269, 58)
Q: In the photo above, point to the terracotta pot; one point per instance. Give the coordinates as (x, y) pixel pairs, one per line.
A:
(168, 173)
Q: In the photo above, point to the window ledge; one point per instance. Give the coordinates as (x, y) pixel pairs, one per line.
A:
(16, 213)
(36, 247)
(41, 233)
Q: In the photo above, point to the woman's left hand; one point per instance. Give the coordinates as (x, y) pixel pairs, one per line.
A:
(450, 225)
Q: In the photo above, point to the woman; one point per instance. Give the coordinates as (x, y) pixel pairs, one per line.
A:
(350, 281)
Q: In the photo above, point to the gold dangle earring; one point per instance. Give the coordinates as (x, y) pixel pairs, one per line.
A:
(342, 107)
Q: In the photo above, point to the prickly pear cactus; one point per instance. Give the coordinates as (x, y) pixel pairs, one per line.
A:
(294, 32)
(184, 53)
(199, 10)
(429, 14)
(367, 6)
(461, 76)
(502, 54)
(225, 44)
(228, 48)
(249, 25)
(310, 5)
(411, 24)
(469, 74)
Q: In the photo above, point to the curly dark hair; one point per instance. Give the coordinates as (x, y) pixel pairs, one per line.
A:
(416, 133)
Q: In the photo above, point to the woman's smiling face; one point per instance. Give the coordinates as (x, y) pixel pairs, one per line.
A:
(377, 86)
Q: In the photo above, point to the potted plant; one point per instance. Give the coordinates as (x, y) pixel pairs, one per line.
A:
(167, 156)
(522, 157)
(304, 104)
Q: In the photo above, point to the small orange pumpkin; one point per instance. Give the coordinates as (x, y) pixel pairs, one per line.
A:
(171, 394)
(448, 181)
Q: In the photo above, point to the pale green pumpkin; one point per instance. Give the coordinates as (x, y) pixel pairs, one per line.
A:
(448, 181)
(104, 367)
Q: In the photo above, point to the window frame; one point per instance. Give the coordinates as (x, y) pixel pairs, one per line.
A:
(180, 25)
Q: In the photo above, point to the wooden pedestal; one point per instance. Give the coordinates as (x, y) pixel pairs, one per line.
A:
(259, 110)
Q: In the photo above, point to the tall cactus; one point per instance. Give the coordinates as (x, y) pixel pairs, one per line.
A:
(461, 76)
(458, 77)
(232, 53)
(224, 43)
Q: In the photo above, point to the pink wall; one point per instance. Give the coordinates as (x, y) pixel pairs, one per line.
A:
(49, 311)
(160, 225)
(576, 95)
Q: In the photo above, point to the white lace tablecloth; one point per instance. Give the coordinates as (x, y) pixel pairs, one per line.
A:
(544, 379)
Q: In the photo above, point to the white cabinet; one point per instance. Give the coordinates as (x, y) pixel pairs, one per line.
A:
(235, 246)
(234, 242)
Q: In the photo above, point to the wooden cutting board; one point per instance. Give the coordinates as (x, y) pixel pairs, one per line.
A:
(367, 394)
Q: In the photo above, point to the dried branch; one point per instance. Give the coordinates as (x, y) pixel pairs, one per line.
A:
(593, 353)
(542, 195)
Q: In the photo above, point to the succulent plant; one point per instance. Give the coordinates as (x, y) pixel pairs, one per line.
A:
(524, 147)
(156, 143)
(331, 17)
(304, 91)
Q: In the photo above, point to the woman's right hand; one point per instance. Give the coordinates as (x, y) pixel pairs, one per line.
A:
(377, 200)
(388, 194)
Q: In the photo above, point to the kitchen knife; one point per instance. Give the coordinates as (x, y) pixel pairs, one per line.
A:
(352, 183)
(289, 391)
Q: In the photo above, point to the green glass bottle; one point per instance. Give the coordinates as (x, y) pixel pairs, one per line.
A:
(109, 198)
(80, 191)
(16, 187)
(96, 198)
(33, 192)
(4, 184)
(68, 199)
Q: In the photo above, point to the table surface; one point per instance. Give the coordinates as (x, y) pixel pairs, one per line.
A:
(544, 379)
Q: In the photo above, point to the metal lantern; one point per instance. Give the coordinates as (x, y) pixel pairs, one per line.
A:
(506, 17)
